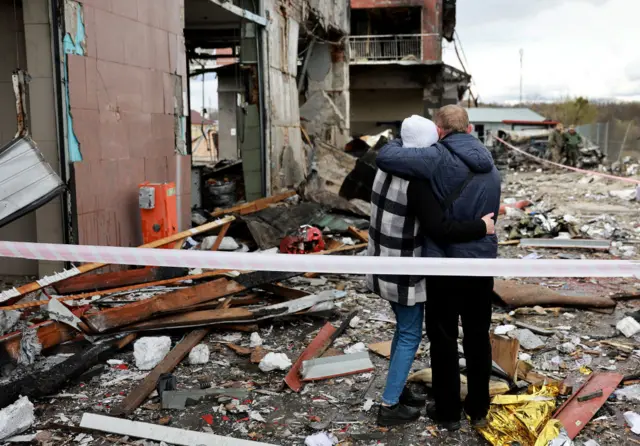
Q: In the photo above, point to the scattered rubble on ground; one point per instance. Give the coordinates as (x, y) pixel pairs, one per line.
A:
(279, 358)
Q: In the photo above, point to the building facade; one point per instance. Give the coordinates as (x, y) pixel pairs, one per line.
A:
(396, 66)
(109, 101)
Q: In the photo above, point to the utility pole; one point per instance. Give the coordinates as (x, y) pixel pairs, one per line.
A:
(521, 73)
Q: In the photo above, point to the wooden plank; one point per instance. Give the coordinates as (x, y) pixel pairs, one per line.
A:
(138, 395)
(82, 269)
(516, 294)
(95, 282)
(320, 344)
(106, 320)
(177, 280)
(154, 432)
(49, 382)
(361, 235)
(254, 206)
(504, 352)
(381, 348)
(282, 291)
(293, 377)
(575, 415)
(220, 237)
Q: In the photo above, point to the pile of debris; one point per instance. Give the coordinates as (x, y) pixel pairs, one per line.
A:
(190, 356)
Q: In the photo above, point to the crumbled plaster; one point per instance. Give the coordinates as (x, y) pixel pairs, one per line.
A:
(74, 42)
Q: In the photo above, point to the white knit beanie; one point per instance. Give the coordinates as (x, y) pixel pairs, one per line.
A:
(417, 131)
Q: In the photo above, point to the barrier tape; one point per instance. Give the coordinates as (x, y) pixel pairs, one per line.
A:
(323, 264)
(575, 169)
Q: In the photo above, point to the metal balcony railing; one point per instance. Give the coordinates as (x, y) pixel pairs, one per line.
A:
(387, 48)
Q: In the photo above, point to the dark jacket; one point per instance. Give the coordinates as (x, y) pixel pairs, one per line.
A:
(447, 164)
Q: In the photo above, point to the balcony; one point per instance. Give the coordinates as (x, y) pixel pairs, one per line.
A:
(381, 49)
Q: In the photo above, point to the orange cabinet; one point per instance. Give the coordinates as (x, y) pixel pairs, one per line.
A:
(158, 210)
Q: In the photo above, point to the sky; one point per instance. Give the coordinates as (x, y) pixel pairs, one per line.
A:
(571, 48)
(210, 88)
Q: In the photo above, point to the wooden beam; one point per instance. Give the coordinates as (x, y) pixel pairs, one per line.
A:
(113, 318)
(361, 235)
(138, 395)
(19, 292)
(109, 319)
(220, 237)
(516, 295)
(49, 382)
(95, 282)
(254, 206)
(504, 352)
(177, 280)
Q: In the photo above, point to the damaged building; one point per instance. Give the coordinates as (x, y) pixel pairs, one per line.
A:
(396, 52)
(107, 102)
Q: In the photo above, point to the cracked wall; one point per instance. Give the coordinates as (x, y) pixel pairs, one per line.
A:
(126, 80)
(327, 102)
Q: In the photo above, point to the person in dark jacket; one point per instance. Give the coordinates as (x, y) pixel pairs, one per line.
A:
(466, 183)
(401, 213)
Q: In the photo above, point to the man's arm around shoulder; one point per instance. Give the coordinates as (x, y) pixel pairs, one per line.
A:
(407, 162)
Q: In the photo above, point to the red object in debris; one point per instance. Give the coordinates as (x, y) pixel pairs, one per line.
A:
(518, 205)
(293, 377)
(307, 239)
(574, 414)
(208, 418)
(121, 367)
(226, 418)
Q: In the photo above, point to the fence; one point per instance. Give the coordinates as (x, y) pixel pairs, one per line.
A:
(616, 139)
(386, 48)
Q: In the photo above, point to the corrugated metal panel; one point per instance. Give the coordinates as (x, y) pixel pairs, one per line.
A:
(503, 114)
(28, 181)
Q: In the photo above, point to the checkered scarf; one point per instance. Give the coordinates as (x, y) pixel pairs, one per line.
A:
(394, 232)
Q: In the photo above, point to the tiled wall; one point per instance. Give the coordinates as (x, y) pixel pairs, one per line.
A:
(125, 95)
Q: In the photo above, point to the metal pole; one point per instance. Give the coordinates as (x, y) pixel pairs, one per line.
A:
(521, 73)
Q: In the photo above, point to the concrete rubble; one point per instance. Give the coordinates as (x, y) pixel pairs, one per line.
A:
(228, 371)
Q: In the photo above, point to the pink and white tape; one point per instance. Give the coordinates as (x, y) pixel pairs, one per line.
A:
(322, 264)
(575, 169)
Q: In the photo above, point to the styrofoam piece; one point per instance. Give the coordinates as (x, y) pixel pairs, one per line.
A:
(628, 326)
(504, 329)
(199, 354)
(256, 340)
(149, 351)
(633, 420)
(16, 418)
(228, 243)
(319, 439)
(356, 348)
(169, 435)
(275, 361)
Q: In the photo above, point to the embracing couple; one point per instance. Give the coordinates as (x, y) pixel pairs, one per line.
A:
(436, 194)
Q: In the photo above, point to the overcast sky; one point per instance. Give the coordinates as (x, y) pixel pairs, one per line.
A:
(571, 47)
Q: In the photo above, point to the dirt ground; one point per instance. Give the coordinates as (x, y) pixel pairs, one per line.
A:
(337, 406)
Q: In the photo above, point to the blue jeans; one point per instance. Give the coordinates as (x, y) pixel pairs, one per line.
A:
(406, 341)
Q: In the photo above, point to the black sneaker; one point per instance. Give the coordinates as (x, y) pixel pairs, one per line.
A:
(412, 399)
(478, 423)
(397, 415)
(450, 425)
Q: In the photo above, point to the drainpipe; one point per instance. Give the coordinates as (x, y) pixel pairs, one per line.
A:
(263, 83)
(69, 217)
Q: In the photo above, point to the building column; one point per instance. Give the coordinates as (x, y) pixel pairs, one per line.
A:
(42, 117)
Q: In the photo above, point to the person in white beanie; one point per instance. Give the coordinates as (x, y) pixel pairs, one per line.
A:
(403, 212)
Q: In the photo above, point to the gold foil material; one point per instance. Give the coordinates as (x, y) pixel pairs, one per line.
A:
(521, 418)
